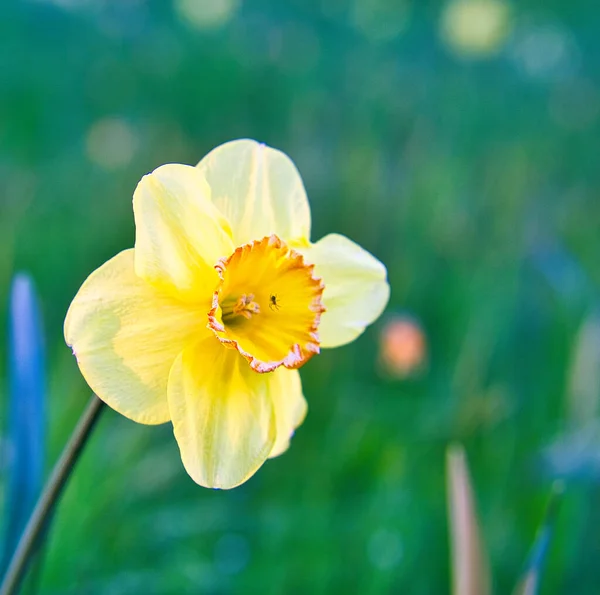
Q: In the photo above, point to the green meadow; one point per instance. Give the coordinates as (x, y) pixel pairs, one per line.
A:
(458, 143)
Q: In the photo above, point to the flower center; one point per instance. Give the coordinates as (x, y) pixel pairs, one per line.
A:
(244, 306)
(268, 305)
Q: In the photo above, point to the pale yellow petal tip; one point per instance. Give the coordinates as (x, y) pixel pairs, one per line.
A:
(223, 418)
(259, 189)
(219, 471)
(180, 233)
(163, 176)
(356, 288)
(218, 482)
(240, 145)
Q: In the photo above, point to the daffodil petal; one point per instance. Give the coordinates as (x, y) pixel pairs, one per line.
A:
(126, 335)
(258, 189)
(285, 389)
(222, 414)
(180, 234)
(356, 289)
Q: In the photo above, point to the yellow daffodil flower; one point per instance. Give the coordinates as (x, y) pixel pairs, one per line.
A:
(207, 320)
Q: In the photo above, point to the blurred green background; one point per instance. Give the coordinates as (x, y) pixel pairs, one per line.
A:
(458, 142)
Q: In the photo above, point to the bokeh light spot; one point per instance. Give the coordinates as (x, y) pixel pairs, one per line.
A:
(232, 554)
(545, 51)
(207, 14)
(111, 143)
(475, 28)
(380, 20)
(402, 347)
(385, 549)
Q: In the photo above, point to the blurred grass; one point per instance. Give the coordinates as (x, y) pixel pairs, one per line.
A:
(474, 180)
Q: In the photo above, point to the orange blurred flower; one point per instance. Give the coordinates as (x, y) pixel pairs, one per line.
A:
(402, 346)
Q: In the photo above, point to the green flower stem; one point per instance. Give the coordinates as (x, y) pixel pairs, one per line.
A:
(49, 497)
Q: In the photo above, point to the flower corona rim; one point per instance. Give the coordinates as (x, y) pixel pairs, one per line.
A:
(298, 354)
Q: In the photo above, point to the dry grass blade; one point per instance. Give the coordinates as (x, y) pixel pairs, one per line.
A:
(470, 566)
(528, 585)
